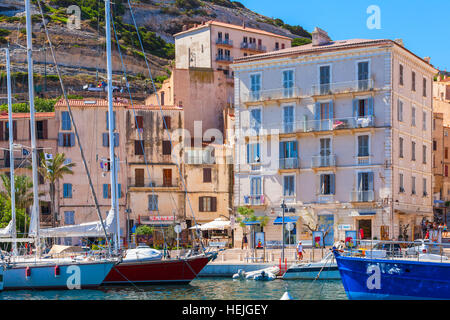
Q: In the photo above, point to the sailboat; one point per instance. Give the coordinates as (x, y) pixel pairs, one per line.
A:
(142, 265)
(34, 272)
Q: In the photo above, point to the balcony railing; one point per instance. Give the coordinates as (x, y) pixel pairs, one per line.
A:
(323, 161)
(226, 42)
(335, 124)
(289, 163)
(148, 183)
(224, 58)
(362, 196)
(255, 200)
(272, 94)
(342, 87)
(253, 46)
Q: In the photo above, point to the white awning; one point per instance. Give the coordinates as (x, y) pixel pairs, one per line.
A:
(217, 224)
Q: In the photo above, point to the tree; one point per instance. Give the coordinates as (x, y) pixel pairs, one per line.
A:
(52, 170)
(23, 186)
(300, 41)
(144, 230)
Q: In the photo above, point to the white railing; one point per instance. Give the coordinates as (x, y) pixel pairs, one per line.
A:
(255, 200)
(362, 196)
(227, 42)
(342, 87)
(289, 163)
(323, 161)
(252, 46)
(271, 94)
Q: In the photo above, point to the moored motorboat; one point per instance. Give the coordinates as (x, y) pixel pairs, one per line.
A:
(371, 277)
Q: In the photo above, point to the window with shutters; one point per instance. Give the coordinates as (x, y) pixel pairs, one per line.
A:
(413, 185)
(424, 181)
(67, 139)
(324, 79)
(413, 116)
(413, 81)
(400, 110)
(106, 139)
(400, 183)
(424, 121)
(67, 190)
(207, 175)
(413, 151)
(424, 91)
(4, 130)
(400, 74)
(167, 123)
(327, 184)
(400, 147)
(65, 121)
(166, 147)
(139, 177)
(153, 202)
(69, 217)
(207, 204)
(41, 129)
(114, 121)
(363, 146)
(139, 147)
(106, 191)
(289, 186)
(446, 170)
(167, 177)
(446, 153)
(140, 122)
(424, 154)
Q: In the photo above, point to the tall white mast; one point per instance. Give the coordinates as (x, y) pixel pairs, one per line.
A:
(34, 162)
(113, 163)
(11, 151)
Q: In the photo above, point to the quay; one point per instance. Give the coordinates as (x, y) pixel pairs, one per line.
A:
(229, 261)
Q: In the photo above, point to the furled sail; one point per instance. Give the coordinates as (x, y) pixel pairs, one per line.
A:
(89, 229)
(7, 231)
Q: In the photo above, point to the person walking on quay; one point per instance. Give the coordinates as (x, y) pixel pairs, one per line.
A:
(299, 250)
(244, 242)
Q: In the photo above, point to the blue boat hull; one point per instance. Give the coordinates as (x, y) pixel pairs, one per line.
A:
(372, 279)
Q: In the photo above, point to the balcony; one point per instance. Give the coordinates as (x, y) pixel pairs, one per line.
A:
(254, 200)
(323, 161)
(362, 196)
(226, 59)
(253, 47)
(289, 163)
(278, 94)
(335, 124)
(342, 87)
(149, 183)
(224, 42)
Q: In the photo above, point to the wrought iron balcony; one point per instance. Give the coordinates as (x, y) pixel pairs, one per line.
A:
(362, 196)
(255, 200)
(253, 47)
(335, 124)
(289, 163)
(225, 42)
(342, 87)
(323, 161)
(272, 94)
(149, 183)
(224, 58)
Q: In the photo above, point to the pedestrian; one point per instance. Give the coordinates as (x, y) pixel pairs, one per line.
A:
(244, 241)
(300, 250)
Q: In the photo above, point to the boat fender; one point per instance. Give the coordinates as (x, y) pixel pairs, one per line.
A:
(27, 272)
(57, 271)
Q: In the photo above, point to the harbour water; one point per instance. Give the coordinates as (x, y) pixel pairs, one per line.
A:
(198, 289)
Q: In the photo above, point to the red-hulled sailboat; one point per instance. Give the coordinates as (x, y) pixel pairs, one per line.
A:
(145, 265)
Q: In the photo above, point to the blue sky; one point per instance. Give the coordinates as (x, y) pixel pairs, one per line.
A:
(424, 25)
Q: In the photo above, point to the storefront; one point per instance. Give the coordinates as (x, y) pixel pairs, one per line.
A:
(289, 230)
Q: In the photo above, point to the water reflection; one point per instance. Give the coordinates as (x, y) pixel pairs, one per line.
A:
(199, 289)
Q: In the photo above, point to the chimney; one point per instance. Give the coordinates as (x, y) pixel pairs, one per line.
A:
(320, 37)
(399, 41)
(427, 59)
(243, 24)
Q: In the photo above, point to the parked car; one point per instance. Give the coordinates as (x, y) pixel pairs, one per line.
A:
(392, 249)
(421, 246)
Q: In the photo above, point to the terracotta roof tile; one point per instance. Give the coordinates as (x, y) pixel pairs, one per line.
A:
(232, 26)
(26, 115)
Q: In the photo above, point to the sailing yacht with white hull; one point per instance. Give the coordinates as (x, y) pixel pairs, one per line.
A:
(34, 272)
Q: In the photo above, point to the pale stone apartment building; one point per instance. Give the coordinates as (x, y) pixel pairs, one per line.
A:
(339, 130)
